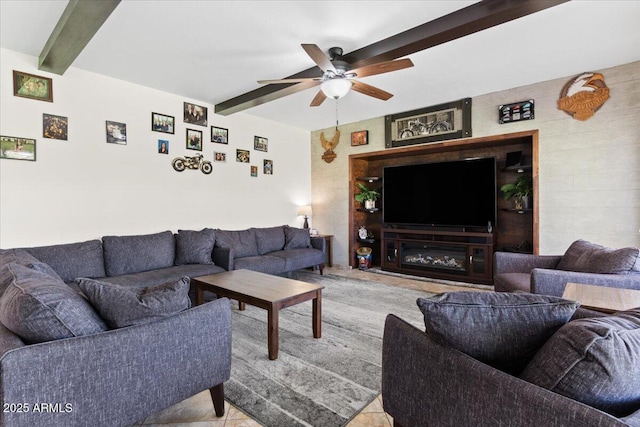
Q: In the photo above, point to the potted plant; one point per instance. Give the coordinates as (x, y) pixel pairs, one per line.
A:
(366, 196)
(520, 191)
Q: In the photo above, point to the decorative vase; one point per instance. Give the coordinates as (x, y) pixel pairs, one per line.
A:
(369, 204)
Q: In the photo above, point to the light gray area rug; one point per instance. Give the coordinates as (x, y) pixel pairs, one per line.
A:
(316, 382)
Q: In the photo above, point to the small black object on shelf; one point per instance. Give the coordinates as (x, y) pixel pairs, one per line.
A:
(372, 210)
(367, 240)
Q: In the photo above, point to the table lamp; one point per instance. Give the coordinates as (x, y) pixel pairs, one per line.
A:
(306, 212)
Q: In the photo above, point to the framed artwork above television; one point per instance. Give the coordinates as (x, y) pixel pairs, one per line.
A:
(451, 120)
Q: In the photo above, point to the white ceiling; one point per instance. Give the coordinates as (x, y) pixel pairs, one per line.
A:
(212, 51)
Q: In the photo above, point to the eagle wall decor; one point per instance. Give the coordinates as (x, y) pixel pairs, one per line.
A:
(329, 155)
(583, 95)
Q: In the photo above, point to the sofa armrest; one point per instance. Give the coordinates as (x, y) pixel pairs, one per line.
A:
(223, 257)
(511, 262)
(427, 383)
(319, 243)
(553, 282)
(119, 377)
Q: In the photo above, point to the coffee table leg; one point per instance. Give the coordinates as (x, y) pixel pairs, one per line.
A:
(199, 295)
(317, 315)
(241, 306)
(272, 332)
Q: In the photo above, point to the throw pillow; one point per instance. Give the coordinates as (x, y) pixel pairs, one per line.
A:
(503, 330)
(242, 242)
(296, 238)
(194, 247)
(71, 260)
(270, 239)
(588, 257)
(133, 254)
(122, 306)
(594, 361)
(39, 308)
(21, 257)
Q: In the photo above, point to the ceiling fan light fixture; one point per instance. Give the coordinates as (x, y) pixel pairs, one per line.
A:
(336, 88)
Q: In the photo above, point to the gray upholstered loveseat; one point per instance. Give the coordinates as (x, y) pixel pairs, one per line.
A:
(583, 262)
(527, 368)
(94, 372)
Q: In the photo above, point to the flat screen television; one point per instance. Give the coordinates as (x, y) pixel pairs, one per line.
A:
(458, 193)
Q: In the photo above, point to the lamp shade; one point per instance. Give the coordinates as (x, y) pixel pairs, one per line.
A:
(336, 88)
(304, 210)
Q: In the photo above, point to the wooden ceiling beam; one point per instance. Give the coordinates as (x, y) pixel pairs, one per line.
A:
(79, 22)
(469, 20)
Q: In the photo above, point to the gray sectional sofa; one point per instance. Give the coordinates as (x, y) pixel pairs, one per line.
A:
(83, 363)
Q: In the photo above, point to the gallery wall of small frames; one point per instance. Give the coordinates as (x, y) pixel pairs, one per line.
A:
(57, 128)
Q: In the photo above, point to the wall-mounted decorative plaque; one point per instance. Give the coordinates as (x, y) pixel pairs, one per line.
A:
(516, 112)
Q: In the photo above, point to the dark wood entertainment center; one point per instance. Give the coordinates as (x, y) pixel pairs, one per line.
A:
(447, 253)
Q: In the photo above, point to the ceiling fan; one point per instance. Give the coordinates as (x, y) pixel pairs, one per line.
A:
(338, 78)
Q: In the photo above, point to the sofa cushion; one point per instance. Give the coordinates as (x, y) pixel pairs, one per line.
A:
(262, 263)
(39, 308)
(24, 258)
(269, 239)
(122, 306)
(195, 247)
(511, 282)
(588, 257)
(594, 361)
(296, 238)
(503, 330)
(132, 254)
(144, 279)
(296, 259)
(71, 260)
(242, 242)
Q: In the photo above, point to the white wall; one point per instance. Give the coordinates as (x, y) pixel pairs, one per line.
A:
(85, 188)
(589, 170)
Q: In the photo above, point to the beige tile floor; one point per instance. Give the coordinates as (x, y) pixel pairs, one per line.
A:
(197, 411)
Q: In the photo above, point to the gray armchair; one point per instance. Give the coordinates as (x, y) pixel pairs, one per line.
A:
(583, 262)
(425, 383)
(118, 377)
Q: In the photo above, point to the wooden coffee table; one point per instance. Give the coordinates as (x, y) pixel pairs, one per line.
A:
(602, 298)
(265, 291)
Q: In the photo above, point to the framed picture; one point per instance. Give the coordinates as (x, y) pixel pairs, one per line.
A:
(32, 86)
(260, 143)
(55, 127)
(359, 138)
(219, 156)
(254, 171)
(195, 114)
(162, 123)
(163, 146)
(116, 133)
(16, 148)
(242, 156)
(268, 167)
(451, 120)
(517, 111)
(219, 135)
(194, 139)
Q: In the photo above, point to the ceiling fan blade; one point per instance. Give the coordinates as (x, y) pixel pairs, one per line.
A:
(382, 67)
(270, 82)
(318, 57)
(370, 90)
(318, 99)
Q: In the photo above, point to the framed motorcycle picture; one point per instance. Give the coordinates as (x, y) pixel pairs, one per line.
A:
(451, 120)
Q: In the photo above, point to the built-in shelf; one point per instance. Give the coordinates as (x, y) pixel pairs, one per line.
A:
(519, 169)
(520, 211)
(368, 178)
(367, 240)
(372, 210)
